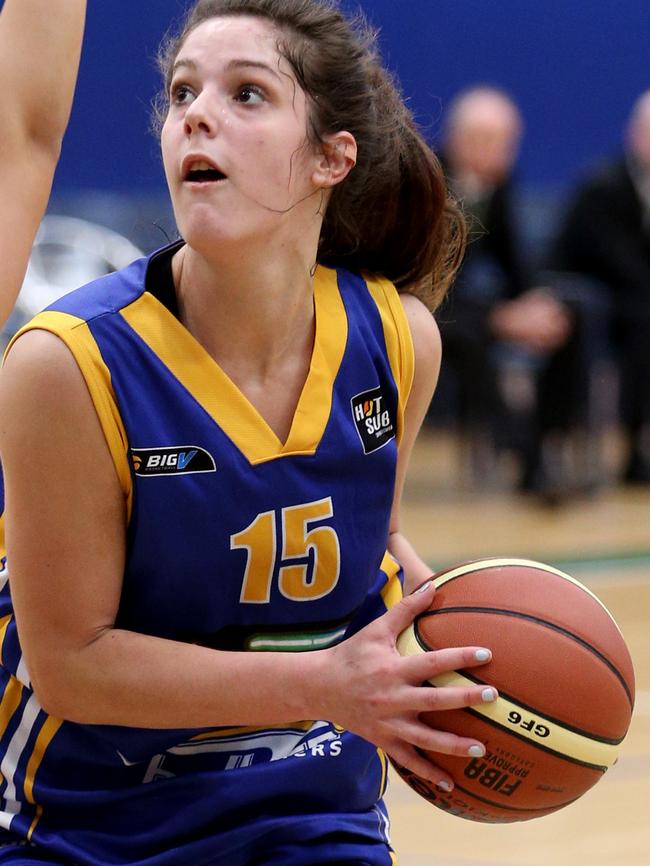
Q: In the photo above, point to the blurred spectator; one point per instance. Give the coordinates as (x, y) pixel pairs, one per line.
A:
(607, 236)
(496, 305)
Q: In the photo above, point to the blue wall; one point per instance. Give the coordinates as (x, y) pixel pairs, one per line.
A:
(575, 66)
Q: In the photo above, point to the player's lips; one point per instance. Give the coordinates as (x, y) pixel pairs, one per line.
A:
(197, 168)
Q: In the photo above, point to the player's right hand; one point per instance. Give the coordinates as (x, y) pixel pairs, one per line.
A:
(367, 687)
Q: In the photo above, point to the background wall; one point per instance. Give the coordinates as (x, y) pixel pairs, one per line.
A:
(575, 66)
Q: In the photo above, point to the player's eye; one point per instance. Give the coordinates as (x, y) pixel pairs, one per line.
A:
(250, 94)
(181, 94)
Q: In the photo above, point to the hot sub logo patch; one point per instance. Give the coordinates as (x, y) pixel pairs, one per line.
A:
(374, 418)
(180, 460)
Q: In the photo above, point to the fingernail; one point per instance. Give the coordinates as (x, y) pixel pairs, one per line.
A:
(424, 587)
(476, 751)
(483, 655)
(488, 695)
(445, 786)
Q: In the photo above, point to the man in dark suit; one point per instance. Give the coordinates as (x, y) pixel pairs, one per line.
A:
(498, 302)
(606, 235)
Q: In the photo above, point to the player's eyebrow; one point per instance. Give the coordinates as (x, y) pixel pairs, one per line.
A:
(184, 63)
(188, 63)
(256, 64)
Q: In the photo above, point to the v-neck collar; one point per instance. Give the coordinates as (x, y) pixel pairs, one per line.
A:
(212, 388)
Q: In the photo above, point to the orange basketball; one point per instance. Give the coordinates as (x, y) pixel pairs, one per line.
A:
(565, 681)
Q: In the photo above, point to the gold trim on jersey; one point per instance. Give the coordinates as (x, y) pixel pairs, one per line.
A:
(77, 336)
(4, 625)
(32, 826)
(43, 740)
(392, 592)
(383, 760)
(10, 702)
(200, 374)
(399, 343)
(32, 717)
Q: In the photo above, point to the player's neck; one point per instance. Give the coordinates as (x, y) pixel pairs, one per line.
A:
(260, 308)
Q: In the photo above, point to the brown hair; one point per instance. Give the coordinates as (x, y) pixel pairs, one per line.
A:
(393, 214)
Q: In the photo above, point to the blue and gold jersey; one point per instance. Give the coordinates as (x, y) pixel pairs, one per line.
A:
(236, 541)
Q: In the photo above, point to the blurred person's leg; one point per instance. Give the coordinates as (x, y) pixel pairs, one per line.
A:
(635, 394)
(481, 414)
(466, 348)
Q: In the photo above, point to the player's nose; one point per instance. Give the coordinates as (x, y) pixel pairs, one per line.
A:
(202, 116)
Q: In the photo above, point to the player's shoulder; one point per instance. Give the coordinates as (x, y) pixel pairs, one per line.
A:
(38, 378)
(421, 320)
(424, 331)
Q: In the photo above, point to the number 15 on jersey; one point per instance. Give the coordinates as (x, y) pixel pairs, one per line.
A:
(308, 562)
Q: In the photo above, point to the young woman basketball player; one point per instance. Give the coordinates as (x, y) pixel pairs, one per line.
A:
(204, 455)
(40, 42)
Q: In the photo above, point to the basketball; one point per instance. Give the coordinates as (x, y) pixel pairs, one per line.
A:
(565, 682)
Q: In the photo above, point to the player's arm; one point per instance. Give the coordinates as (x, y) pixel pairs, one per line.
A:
(40, 42)
(428, 353)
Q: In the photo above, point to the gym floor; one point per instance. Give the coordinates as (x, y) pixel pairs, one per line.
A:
(604, 541)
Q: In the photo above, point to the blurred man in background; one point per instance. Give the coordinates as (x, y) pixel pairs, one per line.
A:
(607, 236)
(499, 302)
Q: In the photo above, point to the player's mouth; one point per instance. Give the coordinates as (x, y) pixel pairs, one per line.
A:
(201, 171)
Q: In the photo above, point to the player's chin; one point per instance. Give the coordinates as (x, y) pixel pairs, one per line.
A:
(205, 229)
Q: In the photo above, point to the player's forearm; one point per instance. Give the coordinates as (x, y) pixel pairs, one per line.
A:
(40, 44)
(126, 678)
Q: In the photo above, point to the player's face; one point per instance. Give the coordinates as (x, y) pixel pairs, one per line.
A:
(234, 143)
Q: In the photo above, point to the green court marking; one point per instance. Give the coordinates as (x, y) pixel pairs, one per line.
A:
(607, 561)
(603, 561)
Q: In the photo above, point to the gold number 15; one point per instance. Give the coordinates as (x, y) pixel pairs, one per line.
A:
(297, 580)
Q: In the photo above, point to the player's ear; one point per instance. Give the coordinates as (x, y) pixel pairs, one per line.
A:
(336, 158)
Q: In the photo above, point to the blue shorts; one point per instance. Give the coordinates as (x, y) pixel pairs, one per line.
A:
(26, 855)
(330, 854)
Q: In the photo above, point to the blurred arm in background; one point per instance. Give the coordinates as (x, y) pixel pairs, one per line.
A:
(40, 44)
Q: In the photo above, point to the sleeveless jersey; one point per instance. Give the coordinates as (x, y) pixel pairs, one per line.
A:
(235, 541)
